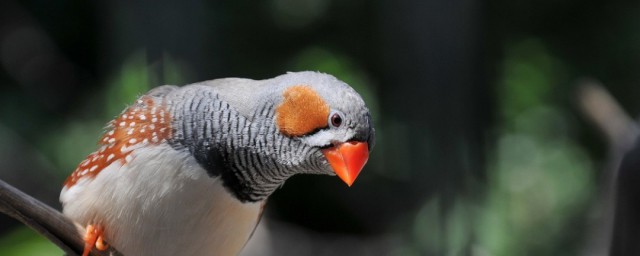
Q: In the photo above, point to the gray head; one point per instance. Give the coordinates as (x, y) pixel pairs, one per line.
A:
(256, 134)
(321, 110)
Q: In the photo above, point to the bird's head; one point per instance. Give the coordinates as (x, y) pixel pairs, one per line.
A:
(325, 113)
(255, 134)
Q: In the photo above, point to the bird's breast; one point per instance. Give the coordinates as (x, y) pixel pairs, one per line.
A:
(162, 203)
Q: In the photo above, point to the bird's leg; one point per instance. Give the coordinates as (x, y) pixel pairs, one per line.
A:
(93, 237)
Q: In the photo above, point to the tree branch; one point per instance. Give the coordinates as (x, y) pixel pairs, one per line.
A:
(606, 114)
(45, 220)
(621, 132)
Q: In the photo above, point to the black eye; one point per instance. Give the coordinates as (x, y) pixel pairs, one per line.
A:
(335, 119)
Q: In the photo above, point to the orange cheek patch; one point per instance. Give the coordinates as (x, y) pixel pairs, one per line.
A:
(302, 111)
(144, 123)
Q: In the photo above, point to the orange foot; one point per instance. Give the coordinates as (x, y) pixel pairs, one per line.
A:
(92, 238)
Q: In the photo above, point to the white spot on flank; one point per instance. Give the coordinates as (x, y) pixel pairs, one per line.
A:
(111, 156)
(93, 168)
(128, 158)
(143, 117)
(155, 139)
(145, 141)
(139, 101)
(152, 126)
(130, 131)
(123, 149)
(153, 120)
(132, 124)
(83, 172)
(143, 130)
(110, 133)
(124, 116)
(84, 163)
(132, 141)
(122, 124)
(112, 140)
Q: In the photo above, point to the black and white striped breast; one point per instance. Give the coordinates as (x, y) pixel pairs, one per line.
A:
(248, 153)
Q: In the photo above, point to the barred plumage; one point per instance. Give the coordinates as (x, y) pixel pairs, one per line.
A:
(198, 162)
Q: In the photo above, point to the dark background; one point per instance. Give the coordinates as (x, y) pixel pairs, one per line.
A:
(481, 148)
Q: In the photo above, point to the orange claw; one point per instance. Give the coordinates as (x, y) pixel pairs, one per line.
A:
(93, 237)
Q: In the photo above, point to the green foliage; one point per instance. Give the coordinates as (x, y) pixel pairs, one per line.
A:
(440, 232)
(537, 186)
(136, 77)
(297, 13)
(132, 81)
(68, 145)
(529, 76)
(24, 241)
(539, 177)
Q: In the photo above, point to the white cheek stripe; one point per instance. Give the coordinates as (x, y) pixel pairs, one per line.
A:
(326, 137)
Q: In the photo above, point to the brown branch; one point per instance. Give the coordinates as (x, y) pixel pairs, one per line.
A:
(606, 114)
(45, 220)
(621, 132)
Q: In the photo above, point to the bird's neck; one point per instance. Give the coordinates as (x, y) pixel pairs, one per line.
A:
(247, 153)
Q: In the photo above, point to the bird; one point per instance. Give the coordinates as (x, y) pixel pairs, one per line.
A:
(188, 170)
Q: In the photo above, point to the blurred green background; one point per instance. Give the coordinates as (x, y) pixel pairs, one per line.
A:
(480, 150)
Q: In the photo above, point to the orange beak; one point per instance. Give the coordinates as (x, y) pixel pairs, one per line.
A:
(347, 159)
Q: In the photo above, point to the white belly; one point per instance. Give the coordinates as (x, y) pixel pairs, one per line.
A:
(162, 203)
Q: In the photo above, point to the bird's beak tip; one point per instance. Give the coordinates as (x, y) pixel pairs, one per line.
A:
(347, 159)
